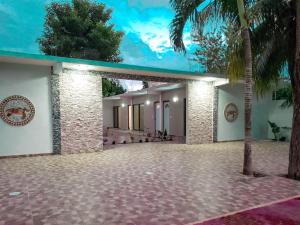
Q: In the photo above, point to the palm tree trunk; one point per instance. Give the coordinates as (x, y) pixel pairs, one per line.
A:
(294, 157)
(247, 168)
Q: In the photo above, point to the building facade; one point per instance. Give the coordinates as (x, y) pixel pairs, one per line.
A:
(70, 115)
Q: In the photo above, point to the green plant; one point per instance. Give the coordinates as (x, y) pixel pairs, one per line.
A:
(131, 137)
(165, 135)
(112, 87)
(162, 135)
(286, 94)
(211, 51)
(275, 130)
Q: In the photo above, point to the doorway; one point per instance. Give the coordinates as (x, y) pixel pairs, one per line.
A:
(116, 116)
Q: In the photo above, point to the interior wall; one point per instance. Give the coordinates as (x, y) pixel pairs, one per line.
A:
(32, 82)
(124, 114)
(149, 117)
(108, 119)
(176, 111)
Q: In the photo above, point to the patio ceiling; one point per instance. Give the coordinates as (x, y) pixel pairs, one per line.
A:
(155, 90)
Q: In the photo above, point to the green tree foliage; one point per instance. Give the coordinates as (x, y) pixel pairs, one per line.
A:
(81, 29)
(285, 94)
(112, 87)
(211, 52)
(273, 50)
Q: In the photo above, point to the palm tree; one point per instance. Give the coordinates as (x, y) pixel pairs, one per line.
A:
(226, 9)
(273, 51)
(247, 170)
(294, 158)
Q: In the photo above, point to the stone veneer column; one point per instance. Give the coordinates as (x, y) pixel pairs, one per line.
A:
(200, 112)
(55, 101)
(215, 114)
(79, 100)
(161, 113)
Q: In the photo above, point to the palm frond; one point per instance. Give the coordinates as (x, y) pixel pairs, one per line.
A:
(286, 95)
(272, 42)
(184, 10)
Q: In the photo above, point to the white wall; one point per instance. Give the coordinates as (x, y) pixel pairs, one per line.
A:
(282, 117)
(264, 109)
(260, 116)
(108, 118)
(32, 82)
(226, 130)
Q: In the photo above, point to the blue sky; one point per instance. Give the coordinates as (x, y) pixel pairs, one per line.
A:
(144, 22)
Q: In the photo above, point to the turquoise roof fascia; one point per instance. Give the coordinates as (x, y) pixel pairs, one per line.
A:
(58, 59)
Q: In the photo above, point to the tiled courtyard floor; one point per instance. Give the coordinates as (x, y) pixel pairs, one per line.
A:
(141, 184)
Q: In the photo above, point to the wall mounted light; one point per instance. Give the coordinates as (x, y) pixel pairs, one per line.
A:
(175, 99)
(148, 102)
(123, 105)
(209, 79)
(81, 67)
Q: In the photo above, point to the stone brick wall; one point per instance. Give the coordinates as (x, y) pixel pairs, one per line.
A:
(80, 114)
(200, 112)
(55, 102)
(215, 114)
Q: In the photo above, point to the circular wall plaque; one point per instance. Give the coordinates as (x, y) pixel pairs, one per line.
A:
(231, 112)
(17, 110)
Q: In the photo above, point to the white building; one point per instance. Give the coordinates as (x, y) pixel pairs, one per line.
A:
(70, 113)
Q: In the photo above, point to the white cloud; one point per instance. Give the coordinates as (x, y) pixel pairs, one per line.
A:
(155, 33)
(132, 85)
(149, 3)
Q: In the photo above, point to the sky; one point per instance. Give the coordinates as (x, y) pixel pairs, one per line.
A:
(144, 22)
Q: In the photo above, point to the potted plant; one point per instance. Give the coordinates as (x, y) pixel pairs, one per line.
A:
(276, 130)
(131, 137)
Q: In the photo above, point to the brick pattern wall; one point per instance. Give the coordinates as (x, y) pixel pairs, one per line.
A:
(200, 112)
(215, 114)
(81, 116)
(55, 101)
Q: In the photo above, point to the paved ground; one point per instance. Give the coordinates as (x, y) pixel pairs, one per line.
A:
(145, 184)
